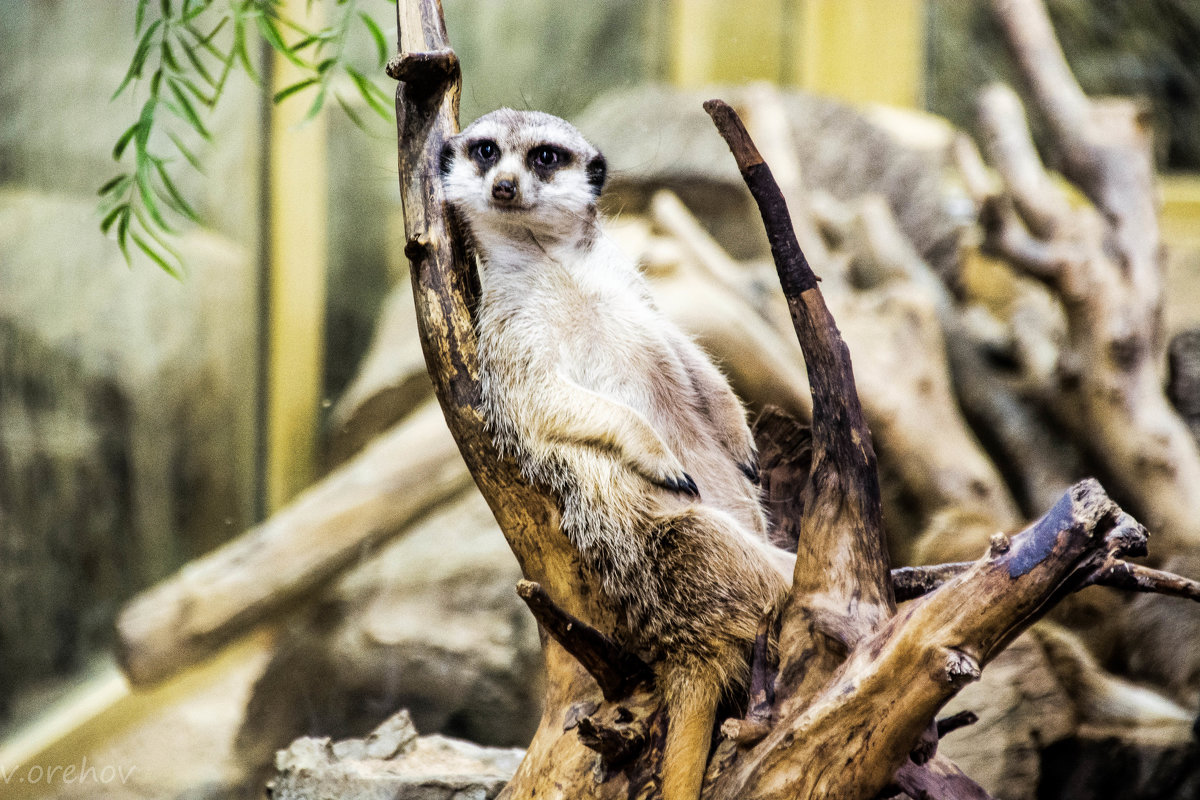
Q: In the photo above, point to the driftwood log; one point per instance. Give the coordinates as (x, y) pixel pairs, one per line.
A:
(1103, 260)
(848, 707)
(276, 566)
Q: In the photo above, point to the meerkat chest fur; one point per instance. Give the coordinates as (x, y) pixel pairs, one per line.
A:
(586, 317)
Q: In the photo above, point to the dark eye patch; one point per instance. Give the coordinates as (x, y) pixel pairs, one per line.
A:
(597, 169)
(484, 152)
(545, 158)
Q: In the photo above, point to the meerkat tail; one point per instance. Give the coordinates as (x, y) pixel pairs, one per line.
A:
(692, 705)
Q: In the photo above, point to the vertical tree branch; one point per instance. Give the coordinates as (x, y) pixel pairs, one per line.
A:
(841, 586)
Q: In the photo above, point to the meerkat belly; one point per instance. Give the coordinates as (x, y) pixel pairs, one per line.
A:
(620, 352)
(625, 358)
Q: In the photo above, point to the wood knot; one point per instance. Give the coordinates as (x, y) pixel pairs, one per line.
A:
(392, 67)
(616, 734)
(417, 249)
(745, 732)
(948, 725)
(424, 71)
(961, 668)
(1128, 538)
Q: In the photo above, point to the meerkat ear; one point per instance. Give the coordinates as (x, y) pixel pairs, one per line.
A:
(597, 169)
(446, 158)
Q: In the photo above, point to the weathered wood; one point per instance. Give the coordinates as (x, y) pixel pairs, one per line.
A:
(859, 684)
(948, 725)
(910, 583)
(275, 566)
(784, 464)
(938, 779)
(842, 563)
(892, 684)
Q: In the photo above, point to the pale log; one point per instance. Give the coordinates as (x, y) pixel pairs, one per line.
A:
(279, 564)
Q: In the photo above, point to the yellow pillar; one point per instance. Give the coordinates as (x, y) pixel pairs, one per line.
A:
(297, 188)
(863, 51)
(716, 41)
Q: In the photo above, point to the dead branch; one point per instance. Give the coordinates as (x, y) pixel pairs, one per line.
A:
(858, 683)
(910, 583)
(938, 779)
(1135, 578)
(889, 304)
(843, 544)
(948, 725)
(784, 464)
(615, 670)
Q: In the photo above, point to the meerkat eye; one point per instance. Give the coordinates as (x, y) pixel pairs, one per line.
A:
(546, 157)
(484, 152)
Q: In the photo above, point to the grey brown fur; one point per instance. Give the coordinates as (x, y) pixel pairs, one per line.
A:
(601, 398)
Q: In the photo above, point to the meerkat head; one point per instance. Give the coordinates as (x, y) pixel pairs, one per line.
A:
(513, 170)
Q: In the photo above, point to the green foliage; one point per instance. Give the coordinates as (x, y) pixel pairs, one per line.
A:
(186, 50)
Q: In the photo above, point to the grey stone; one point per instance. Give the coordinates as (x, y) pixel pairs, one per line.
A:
(424, 768)
(431, 623)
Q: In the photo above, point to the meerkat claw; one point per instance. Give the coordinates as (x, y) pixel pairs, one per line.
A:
(683, 485)
(750, 470)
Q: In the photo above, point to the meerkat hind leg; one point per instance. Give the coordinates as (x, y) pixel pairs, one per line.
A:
(692, 709)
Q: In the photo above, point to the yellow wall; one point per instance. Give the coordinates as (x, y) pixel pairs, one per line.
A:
(860, 50)
(716, 41)
(864, 51)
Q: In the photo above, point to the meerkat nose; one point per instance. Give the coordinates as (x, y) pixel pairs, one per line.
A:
(505, 189)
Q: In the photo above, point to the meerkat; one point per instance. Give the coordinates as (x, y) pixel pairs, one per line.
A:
(602, 399)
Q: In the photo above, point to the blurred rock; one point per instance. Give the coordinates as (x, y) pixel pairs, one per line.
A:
(112, 473)
(656, 137)
(432, 623)
(1183, 379)
(1047, 713)
(1162, 638)
(392, 763)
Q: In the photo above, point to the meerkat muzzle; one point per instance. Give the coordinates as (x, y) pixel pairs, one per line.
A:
(504, 189)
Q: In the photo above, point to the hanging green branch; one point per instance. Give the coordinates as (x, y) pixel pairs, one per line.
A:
(184, 56)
